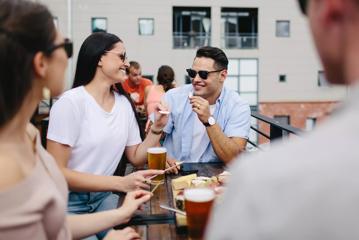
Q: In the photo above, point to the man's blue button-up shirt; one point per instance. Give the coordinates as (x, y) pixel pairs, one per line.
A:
(232, 114)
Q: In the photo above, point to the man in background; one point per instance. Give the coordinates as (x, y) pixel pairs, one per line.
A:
(135, 85)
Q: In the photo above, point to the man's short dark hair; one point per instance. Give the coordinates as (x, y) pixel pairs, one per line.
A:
(133, 64)
(219, 57)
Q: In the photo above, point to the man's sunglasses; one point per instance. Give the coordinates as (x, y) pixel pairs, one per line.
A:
(122, 56)
(303, 6)
(202, 73)
(67, 45)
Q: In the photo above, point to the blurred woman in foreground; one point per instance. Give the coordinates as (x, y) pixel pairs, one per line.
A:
(33, 192)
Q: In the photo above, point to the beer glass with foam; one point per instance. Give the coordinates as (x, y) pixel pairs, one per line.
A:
(198, 204)
(156, 157)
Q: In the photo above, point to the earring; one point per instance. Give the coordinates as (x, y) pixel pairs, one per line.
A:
(46, 94)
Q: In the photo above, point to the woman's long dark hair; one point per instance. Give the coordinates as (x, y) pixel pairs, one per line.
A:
(26, 27)
(165, 77)
(90, 54)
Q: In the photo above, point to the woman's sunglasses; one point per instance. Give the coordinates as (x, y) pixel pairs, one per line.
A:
(303, 6)
(202, 73)
(67, 45)
(122, 56)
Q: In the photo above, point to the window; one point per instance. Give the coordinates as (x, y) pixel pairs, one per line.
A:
(310, 123)
(239, 27)
(146, 26)
(322, 81)
(99, 24)
(282, 78)
(243, 78)
(191, 27)
(283, 28)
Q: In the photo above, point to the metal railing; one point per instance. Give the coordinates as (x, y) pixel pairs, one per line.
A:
(276, 130)
(190, 39)
(238, 40)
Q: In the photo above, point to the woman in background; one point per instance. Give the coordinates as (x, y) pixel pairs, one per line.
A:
(33, 192)
(154, 93)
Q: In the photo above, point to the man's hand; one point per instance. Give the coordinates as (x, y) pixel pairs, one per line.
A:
(172, 162)
(201, 107)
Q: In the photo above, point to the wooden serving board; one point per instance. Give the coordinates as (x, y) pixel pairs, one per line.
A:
(179, 184)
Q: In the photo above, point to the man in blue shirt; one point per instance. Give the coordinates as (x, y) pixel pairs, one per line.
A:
(208, 122)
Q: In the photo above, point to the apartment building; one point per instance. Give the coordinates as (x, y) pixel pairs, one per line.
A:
(273, 63)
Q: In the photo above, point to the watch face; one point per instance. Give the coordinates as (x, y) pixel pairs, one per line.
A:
(211, 121)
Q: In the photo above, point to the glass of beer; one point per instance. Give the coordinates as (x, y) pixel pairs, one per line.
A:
(156, 157)
(198, 204)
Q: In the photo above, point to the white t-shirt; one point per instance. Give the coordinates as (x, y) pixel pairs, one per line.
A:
(97, 138)
(200, 138)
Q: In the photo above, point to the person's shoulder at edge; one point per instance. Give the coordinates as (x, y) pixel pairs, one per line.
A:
(10, 170)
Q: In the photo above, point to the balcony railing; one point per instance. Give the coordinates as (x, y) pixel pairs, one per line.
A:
(190, 39)
(276, 130)
(242, 41)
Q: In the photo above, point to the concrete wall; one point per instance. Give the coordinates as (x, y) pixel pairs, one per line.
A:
(294, 56)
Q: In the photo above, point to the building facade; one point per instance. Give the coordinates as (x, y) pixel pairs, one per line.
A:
(273, 63)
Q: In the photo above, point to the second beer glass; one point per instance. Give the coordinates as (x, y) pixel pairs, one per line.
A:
(156, 158)
(198, 204)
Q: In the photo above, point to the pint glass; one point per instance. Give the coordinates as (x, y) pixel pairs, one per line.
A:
(156, 158)
(198, 203)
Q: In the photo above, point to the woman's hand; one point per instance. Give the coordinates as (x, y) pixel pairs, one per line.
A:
(125, 234)
(133, 201)
(138, 180)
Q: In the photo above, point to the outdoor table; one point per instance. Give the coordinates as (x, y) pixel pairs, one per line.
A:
(154, 222)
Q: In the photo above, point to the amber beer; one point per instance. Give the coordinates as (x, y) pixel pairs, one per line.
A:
(156, 158)
(198, 204)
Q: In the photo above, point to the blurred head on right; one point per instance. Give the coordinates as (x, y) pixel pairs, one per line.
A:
(334, 25)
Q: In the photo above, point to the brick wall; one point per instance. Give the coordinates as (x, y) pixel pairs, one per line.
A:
(297, 112)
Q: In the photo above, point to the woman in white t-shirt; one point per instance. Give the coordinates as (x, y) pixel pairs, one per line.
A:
(91, 126)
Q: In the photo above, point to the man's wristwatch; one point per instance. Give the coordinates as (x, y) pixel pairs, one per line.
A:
(210, 122)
